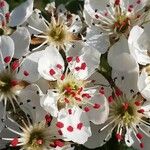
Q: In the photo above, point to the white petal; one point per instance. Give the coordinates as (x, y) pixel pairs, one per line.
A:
(76, 24)
(126, 81)
(99, 80)
(36, 20)
(75, 123)
(28, 69)
(96, 39)
(49, 103)
(139, 45)
(48, 61)
(98, 115)
(98, 138)
(21, 13)
(6, 51)
(30, 98)
(21, 46)
(90, 59)
(144, 84)
(119, 57)
(91, 5)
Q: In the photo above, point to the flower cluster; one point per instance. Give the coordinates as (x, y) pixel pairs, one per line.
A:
(68, 79)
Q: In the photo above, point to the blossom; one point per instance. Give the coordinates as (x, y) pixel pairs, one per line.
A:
(39, 134)
(61, 31)
(72, 101)
(129, 110)
(115, 16)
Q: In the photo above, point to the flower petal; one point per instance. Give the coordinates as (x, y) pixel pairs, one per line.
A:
(28, 69)
(6, 51)
(95, 38)
(74, 122)
(21, 13)
(49, 103)
(139, 45)
(21, 47)
(87, 65)
(99, 114)
(47, 65)
(118, 56)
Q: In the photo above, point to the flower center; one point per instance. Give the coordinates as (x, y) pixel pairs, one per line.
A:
(5, 82)
(71, 91)
(57, 33)
(122, 24)
(125, 110)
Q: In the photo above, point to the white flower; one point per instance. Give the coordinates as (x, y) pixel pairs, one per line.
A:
(15, 77)
(72, 102)
(40, 134)
(128, 113)
(60, 32)
(114, 16)
(139, 44)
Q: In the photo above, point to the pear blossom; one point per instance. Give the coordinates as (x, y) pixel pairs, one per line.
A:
(72, 102)
(128, 108)
(61, 31)
(31, 135)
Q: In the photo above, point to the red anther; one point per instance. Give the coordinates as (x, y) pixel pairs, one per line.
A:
(130, 6)
(139, 136)
(48, 118)
(7, 16)
(52, 72)
(80, 90)
(138, 1)
(66, 100)
(86, 109)
(68, 89)
(3, 23)
(7, 59)
(70, 111)
(118, 137)
(39, 141)
(58, 143)
(77, 59)
(96, 106)
(14, 82)
(101, 90)
(79, 125)
(62, 77)
(125, 105)
(96, 16)
(70, 128)
(138, 103)
(59, 124)
(118, 92)
(142, 145)
(141, 111)
(110, 99)
(15, 65)
(59, 66)
(86, 95)
(14, 142)
(83, 66)
(2, 4)
(77, 98)
(26, 73)
(117, 2)
(73, 94)
(129, 9)
(60, 132)
(69, 59)
(77, 68)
